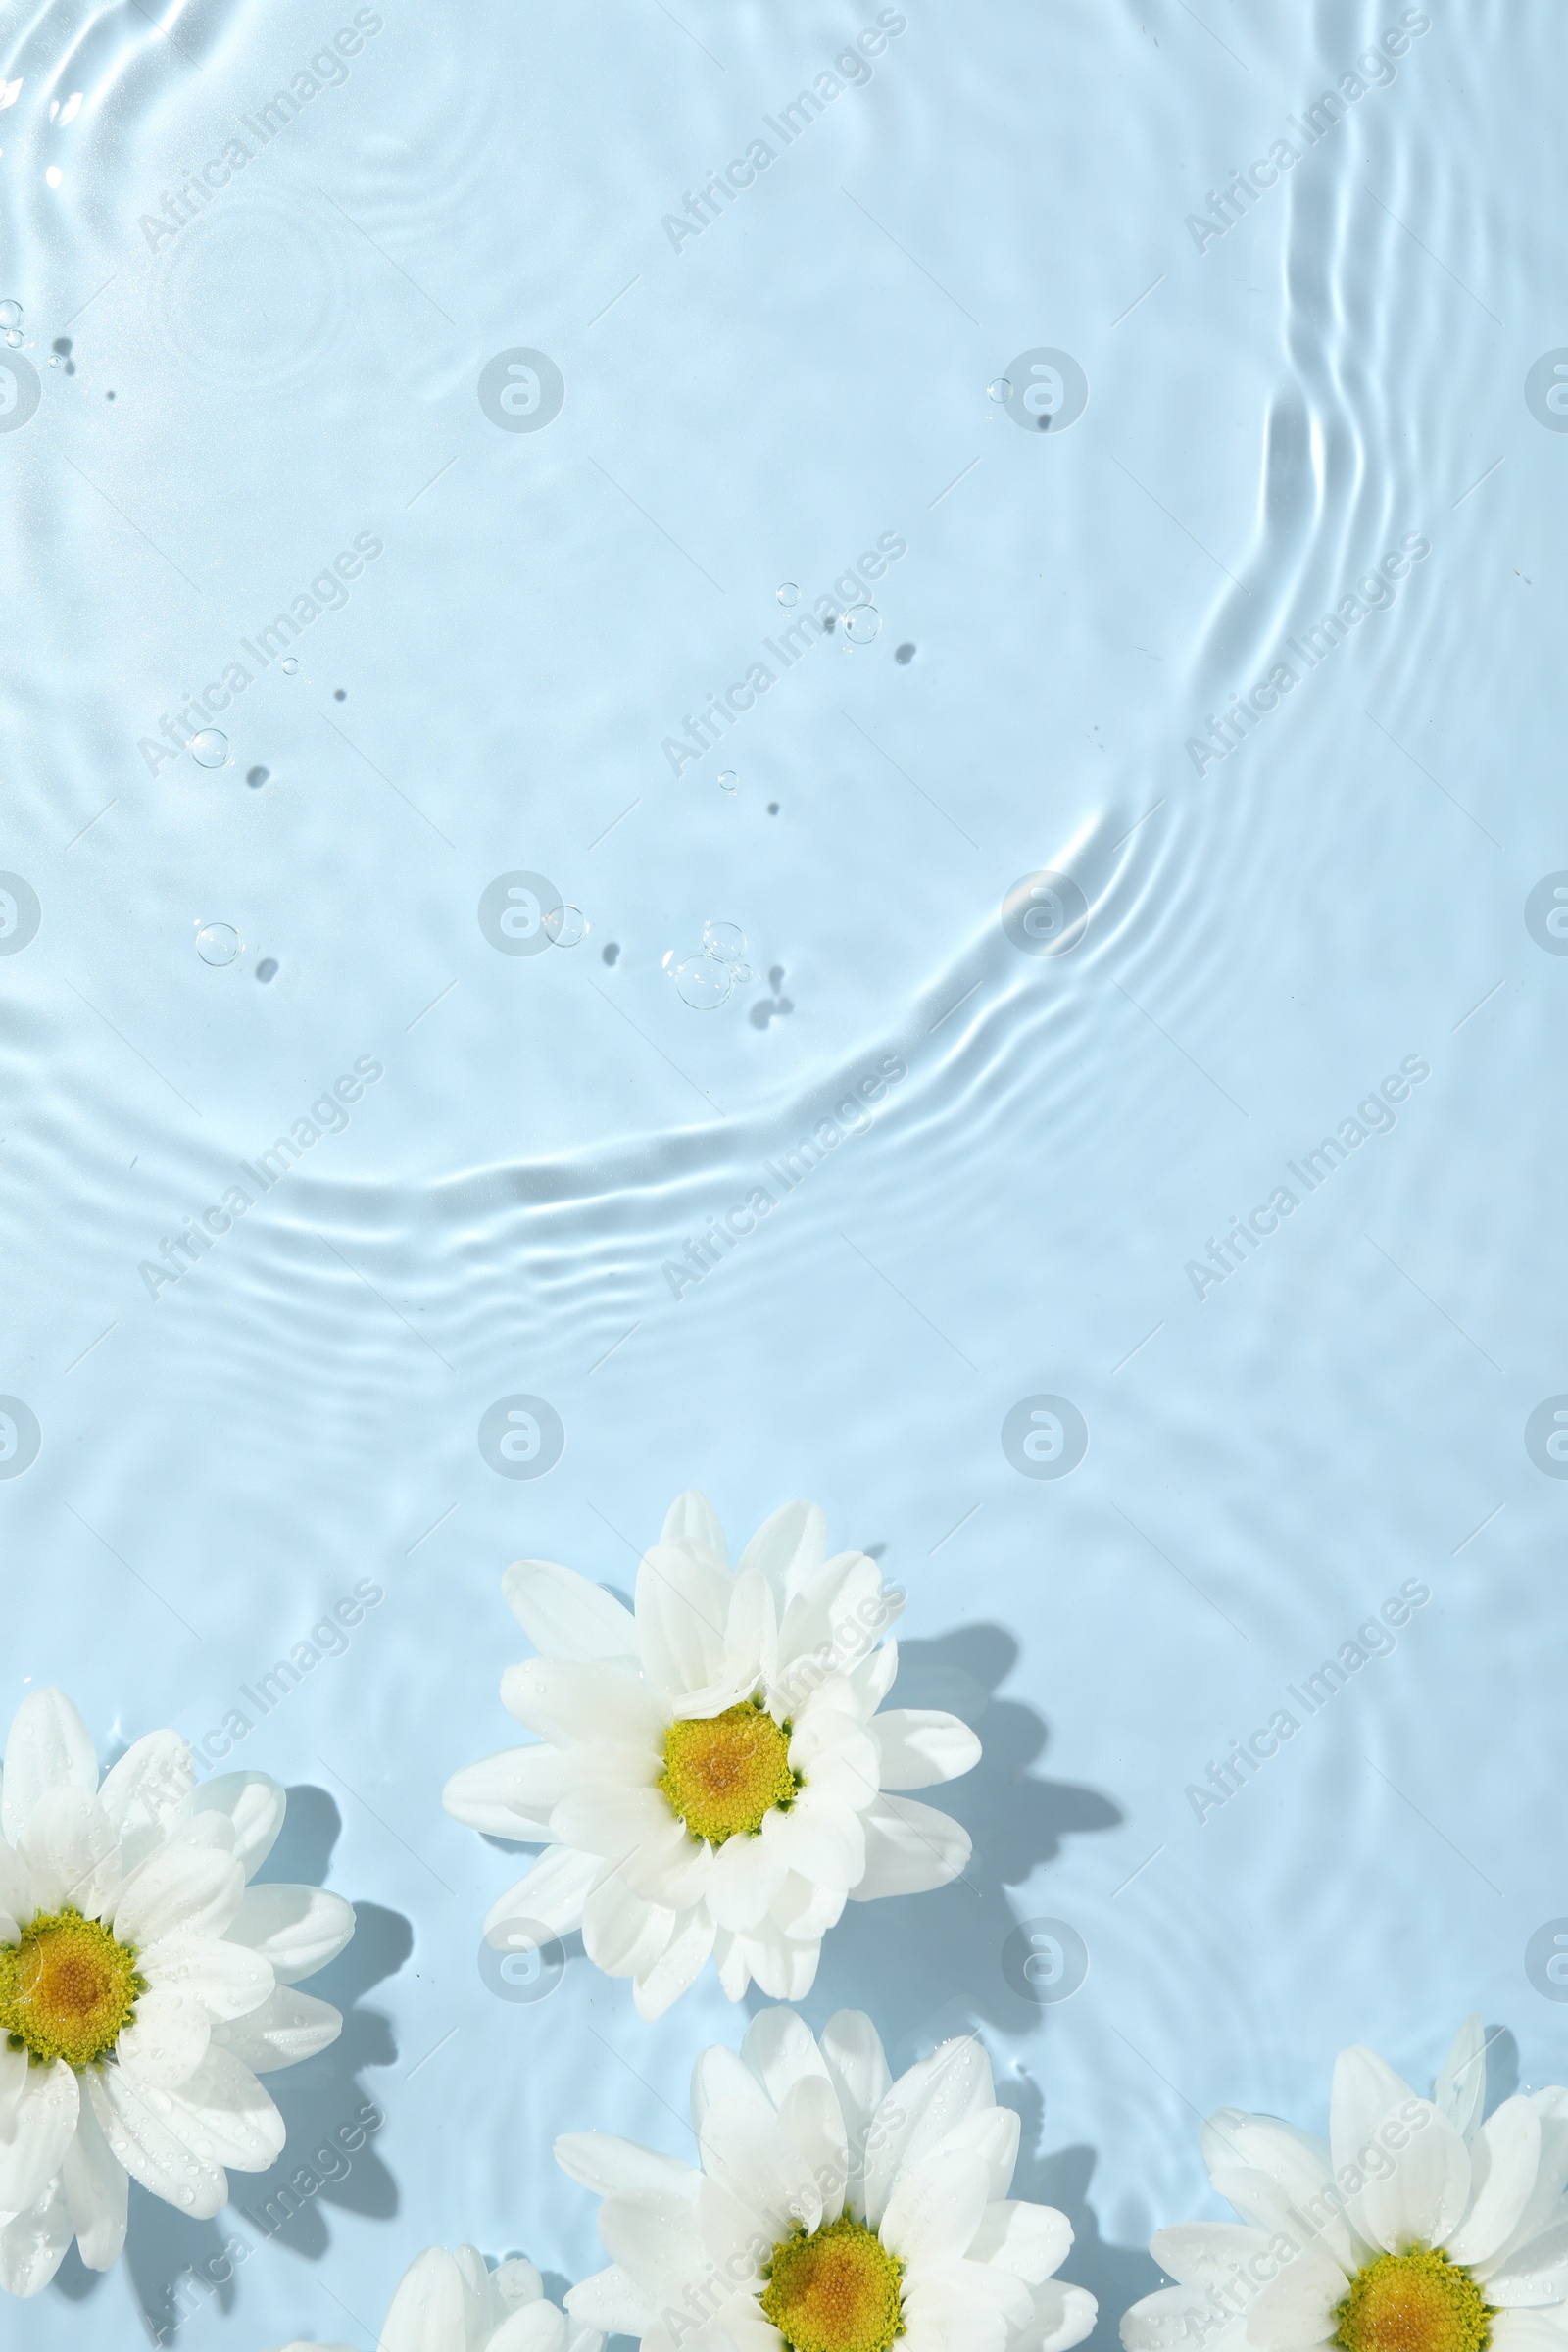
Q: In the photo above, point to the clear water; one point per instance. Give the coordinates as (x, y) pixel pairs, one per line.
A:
(323, 358)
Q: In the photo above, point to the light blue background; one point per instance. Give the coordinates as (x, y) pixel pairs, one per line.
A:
(220, 1464)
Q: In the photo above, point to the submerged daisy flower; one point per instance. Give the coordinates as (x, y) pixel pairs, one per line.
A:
(713, 1774)
(143, 1986)
(1416, 2227)
(834, 2210)
(448, 2302)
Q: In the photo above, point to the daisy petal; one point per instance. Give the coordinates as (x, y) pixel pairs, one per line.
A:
(1030, 2240)
(1271, 2171)
(17, 1902)
(810, 2117)
(746, 1874)
(150, 2151)
(611, 2300)
(1535, 2273)
(656, 1988)
(566, 1616)
(920, 1746)
(165, 2042)
(1505, 2160)
(256, 1805)
(682, 1616)
(858, 2071)
(224, 2115)
(934, 2207)
(182, 1885)
(430, 2310)
(147, 1792)
(48, 1746)
(1203, 2253)
(288, 2026)
(823, 1839)
(537, 2328)
(752, 2157)
(1064, 2316)
(228, 1980)
(511, 1795)
(32, 2244)
(560, 1700)
(619, 2168)
(937, 2094)
(72, 1852)
(97, 2192)
(1423, 2197)
(788, 1550)
(298, 1928)
(621, 1932)
(909, 1848)
(690, 1520)
(1460, 2089)
(719, 2079)
(780, 2050)
(1528, 2331)
(551, 1896)
(38, 2109)
(1171, 2319)
(1295, 2309)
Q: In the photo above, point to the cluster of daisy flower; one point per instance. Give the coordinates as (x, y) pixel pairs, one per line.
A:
(713, 1776)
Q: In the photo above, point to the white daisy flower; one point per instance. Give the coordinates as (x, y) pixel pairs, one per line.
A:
(1414, 2228)
(143, 1986)
(834, 2210)
(713, 1774)
(448, 2302)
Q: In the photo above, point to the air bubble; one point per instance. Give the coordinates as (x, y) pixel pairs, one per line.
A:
(728, 780)
(566, 925)
(210, 748)
(701, 981)
(1000, 390)
(724, 942)
(787, 593)
(218, 943)
(10, 314)
(290, 665)
(13, 336)
(861, 623)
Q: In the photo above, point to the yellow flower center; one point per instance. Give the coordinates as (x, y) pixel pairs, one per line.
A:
(836, 2290)
(1418, 2302)
(723, 1774)
(67, 1990)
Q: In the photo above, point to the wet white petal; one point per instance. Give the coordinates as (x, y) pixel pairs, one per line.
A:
(255, 1804)
(32, 2244)
(72, 1853)
(227, 1978)
(97, 2192)
(909, 1848)
(166, 2041)
(1505, 2159)
(566, 1616)
(288, 2026)
(509, 1794)
(920, 1746)
(48, 1745)
(184, 1884)
(298, 1928)
(39, 2107)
